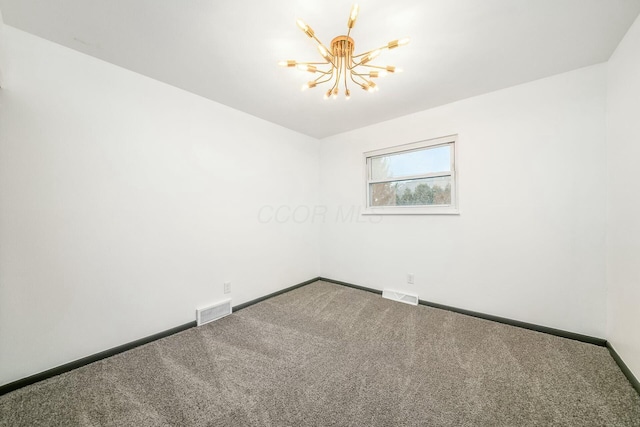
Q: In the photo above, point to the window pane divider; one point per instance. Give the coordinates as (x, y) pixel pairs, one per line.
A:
(412, 177)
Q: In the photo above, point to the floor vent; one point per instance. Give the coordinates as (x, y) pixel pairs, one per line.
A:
(400, 297)
(213, 312)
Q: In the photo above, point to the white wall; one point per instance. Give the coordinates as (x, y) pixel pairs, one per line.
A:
(530, 241)
(125, 203)
(2, 54)
(623, 207)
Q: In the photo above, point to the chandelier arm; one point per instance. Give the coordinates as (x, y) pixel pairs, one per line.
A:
(356, 82)
(329, 54)
(381, 48)
(320, 43)
(368, 84)
(323, 73)
(356, 64)
(389, 68)
(359, 76)
(316, 70)
(374, 66)
(338, 74)
(324, 47)
(324, 81)
(391, 45)
(367, 73)
(330, 61)
(364, 53)
(313, 36)
(347, 70)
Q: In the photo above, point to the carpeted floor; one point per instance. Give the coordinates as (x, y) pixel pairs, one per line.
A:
(327, 355)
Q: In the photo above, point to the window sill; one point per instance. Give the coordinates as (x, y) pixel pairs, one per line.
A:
(411, 211)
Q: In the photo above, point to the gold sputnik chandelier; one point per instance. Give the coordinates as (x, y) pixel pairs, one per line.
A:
(342, 62)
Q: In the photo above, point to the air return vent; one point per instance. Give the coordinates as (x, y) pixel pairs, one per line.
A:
(213, 312)
(400, 297)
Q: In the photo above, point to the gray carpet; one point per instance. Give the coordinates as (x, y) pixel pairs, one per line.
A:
(327, 355)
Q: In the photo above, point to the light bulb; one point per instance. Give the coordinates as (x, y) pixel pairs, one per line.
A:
(335, 93)
(309, 85)
(395, 43)
(305, 28)
(309, 68)
(353, 16)
(370, 56)
(324, 52)
(354, 11)
(328, 94)
(347, 94)
(288, 63)
(376, 74)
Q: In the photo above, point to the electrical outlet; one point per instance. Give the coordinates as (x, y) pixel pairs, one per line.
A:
(227, 287)
(410, 278)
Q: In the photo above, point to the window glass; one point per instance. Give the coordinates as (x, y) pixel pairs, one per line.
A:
(422, 191)
(410, 163)
(417, 178)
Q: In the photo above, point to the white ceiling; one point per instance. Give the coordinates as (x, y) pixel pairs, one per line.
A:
(227, 50)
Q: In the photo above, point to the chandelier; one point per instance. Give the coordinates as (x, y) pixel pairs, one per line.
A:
(342, 63)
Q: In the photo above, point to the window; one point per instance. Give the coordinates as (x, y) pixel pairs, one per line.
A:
(418, 178)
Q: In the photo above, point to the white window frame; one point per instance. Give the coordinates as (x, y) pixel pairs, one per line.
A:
(452, 209)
